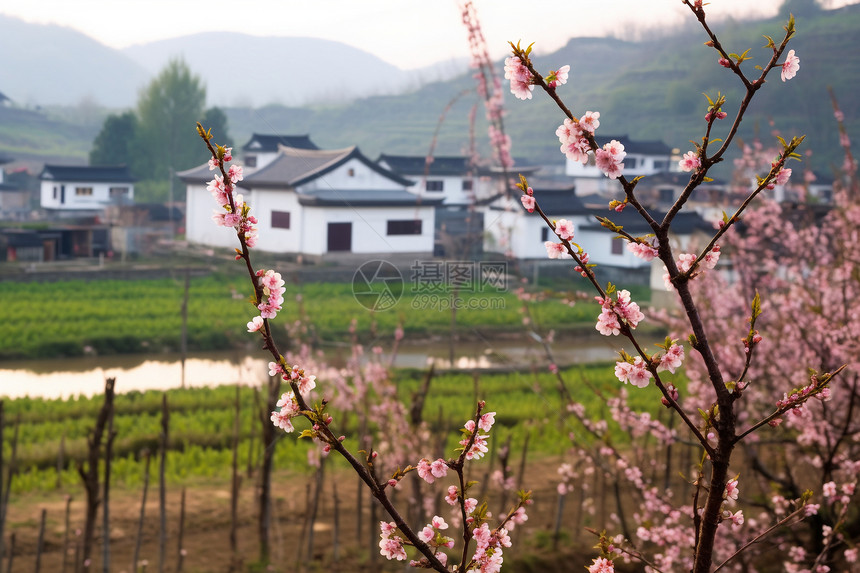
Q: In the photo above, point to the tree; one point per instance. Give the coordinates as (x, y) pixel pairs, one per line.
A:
(114, 143)
(216, 119)
(167, 111)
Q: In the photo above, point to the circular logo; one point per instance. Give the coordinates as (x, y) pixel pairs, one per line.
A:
(377, 285)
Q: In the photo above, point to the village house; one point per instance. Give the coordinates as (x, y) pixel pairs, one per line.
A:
(73, 190)
(643, 158)
(320, 204)
(512, 231)
(14, 201)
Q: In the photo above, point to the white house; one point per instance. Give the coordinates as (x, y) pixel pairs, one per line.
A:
(85, 188)
(643, 158)
(262, 148)
(320, 203)
(510, 229)
(451, 178)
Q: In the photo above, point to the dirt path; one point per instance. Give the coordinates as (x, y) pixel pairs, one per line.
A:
(207, 525)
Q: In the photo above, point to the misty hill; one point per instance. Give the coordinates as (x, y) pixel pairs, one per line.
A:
(649, 90)
(247, 71)
(47, 64)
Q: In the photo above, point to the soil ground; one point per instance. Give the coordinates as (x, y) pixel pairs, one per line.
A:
(207, 526)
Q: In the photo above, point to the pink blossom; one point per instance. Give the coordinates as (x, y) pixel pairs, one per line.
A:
(829, 490)
(790, 66)
(557, 77)
(732, 490)
(485, 422)
(737, 518)
(690, 161)
(528, 202)
(520, 78)
(724, 62)
(601, 565)
(590, 121)
(556, 250)
(391, 546)
(609, 159)
(255, 324)
(607, 323)
(639, 375)
(235, 174)
(672, 359)
(452, 496)
(564, 229)
(643, 251)
(710, 260)
(783, 176)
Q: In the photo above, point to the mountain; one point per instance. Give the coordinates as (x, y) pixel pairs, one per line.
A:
(46, 64)
(250, 71)
(647, 90)
(650, 89)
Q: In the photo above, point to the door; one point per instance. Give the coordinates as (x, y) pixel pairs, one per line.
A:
(339, 237)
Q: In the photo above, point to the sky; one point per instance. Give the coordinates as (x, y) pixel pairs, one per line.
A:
(407, 33)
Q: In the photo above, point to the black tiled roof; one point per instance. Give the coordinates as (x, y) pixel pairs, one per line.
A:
(83, 174)
(364, 198)
(648, 147)
(293, 167)
(415, 165)
(270, 142)
(684, 223)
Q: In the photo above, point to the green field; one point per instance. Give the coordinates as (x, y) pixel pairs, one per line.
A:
(201, 424)
(69, 318)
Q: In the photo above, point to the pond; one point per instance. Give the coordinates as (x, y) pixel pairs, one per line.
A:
(64, 378)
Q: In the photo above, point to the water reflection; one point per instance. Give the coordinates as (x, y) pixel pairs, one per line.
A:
(85, 376)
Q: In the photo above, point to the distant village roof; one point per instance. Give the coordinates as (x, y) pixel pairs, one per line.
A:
(270, 142)
(364, 198)
(679, 179)
(684, 223)
(293, 167)
(415, 165)
(4, 158)
(83, 174)
(3, 97)
(648, 147)
(555, 201)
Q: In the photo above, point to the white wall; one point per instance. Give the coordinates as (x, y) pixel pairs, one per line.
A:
(369, 229)
(363, 177)
(263, 202)
(199, 226)
(99, 198)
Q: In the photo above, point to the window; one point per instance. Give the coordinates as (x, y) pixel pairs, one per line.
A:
(544, 234)
(661, 165)
(118, 191)
(83, 191)
(435, 185)
(667, 195)
(405, 227)
(280, 219)
(617, 246)
(251, 161)
(350, 172)
(467, 184)
(631, 162)
(56, 191)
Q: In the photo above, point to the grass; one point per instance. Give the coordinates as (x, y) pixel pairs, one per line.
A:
(201, 424)
(120, 317)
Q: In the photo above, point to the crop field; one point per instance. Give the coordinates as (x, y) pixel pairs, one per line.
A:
(53, 433)
(115, 317)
